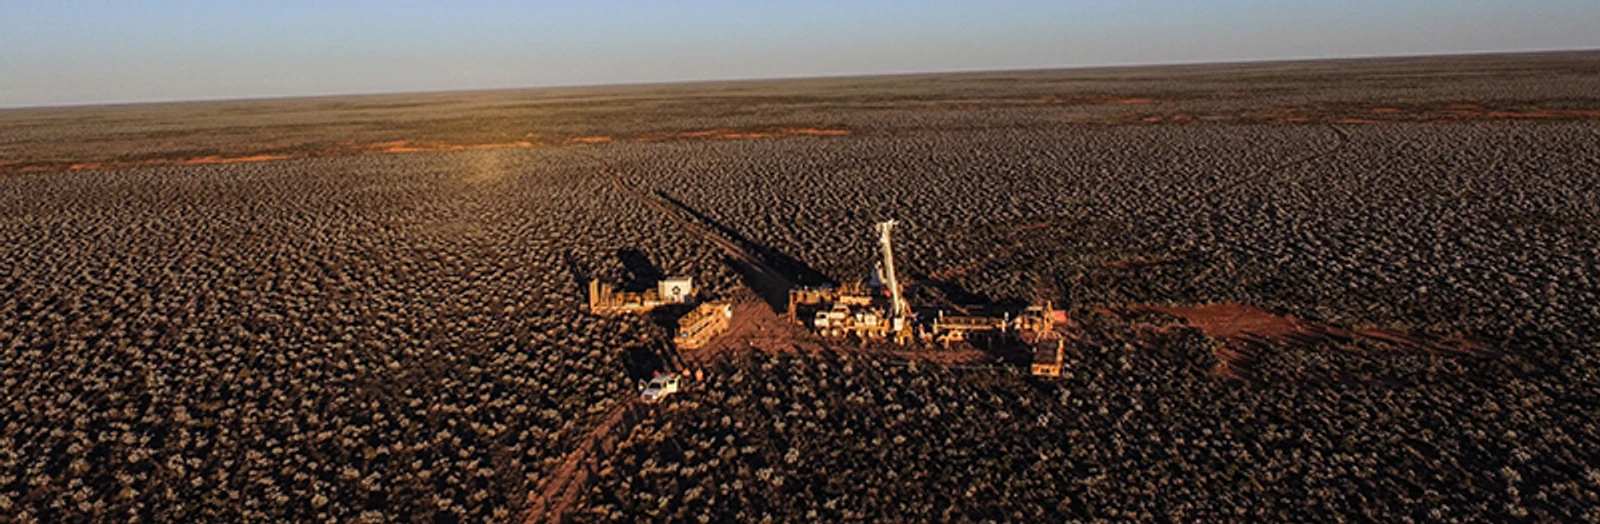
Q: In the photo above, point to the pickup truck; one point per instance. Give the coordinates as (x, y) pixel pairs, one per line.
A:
(660, 386)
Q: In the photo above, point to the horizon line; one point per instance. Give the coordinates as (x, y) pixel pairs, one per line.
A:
(783, 78)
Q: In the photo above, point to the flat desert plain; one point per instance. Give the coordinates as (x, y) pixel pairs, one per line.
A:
(1306, 291)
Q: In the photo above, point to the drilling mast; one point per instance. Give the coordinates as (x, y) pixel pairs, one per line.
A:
(897, 306)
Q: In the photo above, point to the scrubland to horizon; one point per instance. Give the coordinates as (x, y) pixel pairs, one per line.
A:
(1311, 290)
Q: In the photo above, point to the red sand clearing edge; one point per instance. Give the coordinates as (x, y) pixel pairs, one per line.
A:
(1232, 320)
(1240, 327)
(231, 160)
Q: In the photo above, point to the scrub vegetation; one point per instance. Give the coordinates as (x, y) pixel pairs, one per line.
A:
(1305, 291)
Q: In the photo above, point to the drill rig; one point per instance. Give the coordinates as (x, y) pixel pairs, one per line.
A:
(860, 310)
(877, 311)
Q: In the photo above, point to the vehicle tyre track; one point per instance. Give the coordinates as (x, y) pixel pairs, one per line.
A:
(559, 495)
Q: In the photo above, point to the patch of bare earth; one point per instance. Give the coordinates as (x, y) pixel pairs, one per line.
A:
(406, 146)
(589, 140)
(754, 327)
(1246, 330)
(231, 160)
(734, 134)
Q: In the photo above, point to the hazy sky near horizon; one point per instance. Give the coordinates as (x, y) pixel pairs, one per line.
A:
(56, 52)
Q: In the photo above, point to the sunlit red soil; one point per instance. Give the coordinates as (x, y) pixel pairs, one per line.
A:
(1245, 330)
(1232, 321)
(406, 146)
(590, 140)
(231, 160)
(557, 494)
(732, 134)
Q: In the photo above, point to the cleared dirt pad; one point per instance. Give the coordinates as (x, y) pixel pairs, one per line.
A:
(1248, 330)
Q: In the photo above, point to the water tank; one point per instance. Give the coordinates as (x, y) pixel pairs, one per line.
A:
(676, 289)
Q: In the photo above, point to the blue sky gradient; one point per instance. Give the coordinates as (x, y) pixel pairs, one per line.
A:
(77, 52)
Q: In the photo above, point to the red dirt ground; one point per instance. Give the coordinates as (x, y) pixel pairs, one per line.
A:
(1243, 329)
(231, 160)
(590, 140)
(754, 326)
(563, 491)
(406, 146)
(731, 134)
(1230, 321)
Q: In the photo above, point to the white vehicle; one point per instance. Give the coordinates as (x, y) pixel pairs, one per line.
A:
(661, 386)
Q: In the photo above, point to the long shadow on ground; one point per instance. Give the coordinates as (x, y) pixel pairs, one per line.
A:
(766, 271)
(791, 268)
(642, 273)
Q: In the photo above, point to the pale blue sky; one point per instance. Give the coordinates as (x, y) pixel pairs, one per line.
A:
(55, 52)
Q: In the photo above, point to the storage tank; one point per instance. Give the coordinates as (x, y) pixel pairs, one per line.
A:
(676, 290)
